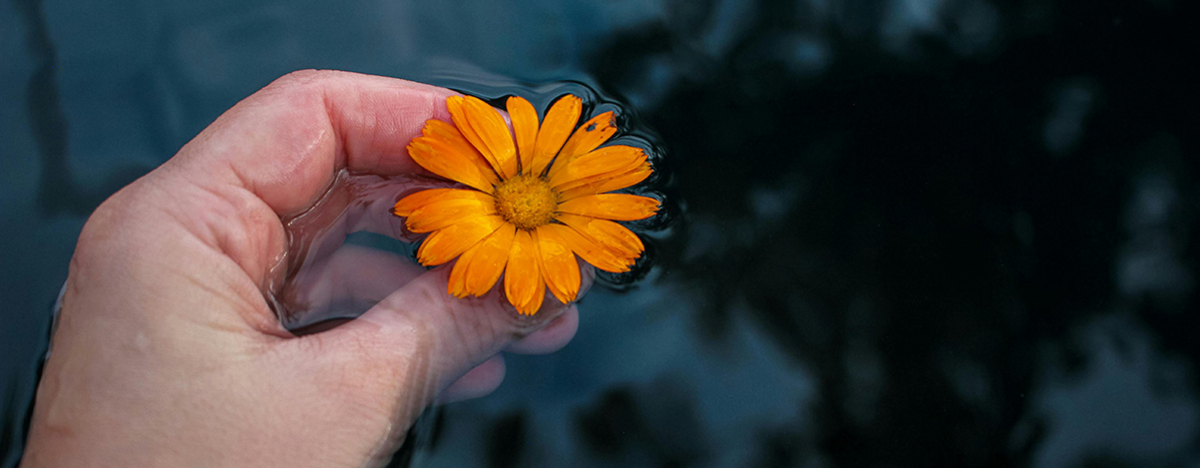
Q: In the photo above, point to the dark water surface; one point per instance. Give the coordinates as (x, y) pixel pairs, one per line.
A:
(911, 232)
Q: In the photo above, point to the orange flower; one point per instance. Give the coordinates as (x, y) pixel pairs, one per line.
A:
(534, 199)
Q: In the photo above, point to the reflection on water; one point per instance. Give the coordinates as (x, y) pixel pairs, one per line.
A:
(322, 278)
(917, 232)
(1126, 403)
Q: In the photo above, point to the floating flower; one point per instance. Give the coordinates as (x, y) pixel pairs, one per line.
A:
(535, 198)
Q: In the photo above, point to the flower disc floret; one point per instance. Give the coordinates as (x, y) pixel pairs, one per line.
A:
(526, 201)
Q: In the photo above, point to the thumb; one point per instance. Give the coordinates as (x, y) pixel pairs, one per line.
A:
(425, 339)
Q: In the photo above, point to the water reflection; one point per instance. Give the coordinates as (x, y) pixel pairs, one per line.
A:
(1071, 105)
(1151, 262)
(917, 232)
(1126, 404)
(324, 278)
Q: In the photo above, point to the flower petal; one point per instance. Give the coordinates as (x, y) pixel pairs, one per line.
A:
(445, 244)
(591, 134)
(607, 183)
(450, 209)
(558, 265)
(440, 158)
(458, 113)
(595, 254)
(525, 128)
(534, 303)
(415, 200)
(489, 126)
(489, 260)
(480, 266)
(615, 237)
(615, 206)
(452, 137)
(556, 127)
(616, 158)
(521, 275)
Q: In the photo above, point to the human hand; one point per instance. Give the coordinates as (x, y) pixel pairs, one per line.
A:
(166, 352)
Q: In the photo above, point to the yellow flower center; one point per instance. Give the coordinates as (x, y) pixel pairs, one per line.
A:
(526, 201)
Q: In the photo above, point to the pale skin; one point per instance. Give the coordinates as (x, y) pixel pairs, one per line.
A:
(167, 354)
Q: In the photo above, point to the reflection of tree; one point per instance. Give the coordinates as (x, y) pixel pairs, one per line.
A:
(931, 232)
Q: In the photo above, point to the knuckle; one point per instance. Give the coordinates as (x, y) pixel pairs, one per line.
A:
(301, 82)
(301, 77)
(105, 225)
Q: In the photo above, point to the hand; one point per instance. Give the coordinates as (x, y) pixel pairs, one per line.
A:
(166, 352)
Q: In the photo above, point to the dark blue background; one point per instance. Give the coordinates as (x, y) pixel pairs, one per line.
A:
(912, 232)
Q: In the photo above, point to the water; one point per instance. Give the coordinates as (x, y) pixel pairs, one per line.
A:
(910, 233)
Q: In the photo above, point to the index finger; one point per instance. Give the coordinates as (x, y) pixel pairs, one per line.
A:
(286, 142)
(273, 155)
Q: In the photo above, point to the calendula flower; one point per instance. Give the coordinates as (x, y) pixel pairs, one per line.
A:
(534, 198)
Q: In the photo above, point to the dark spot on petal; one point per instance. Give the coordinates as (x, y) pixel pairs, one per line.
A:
(590, 127)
